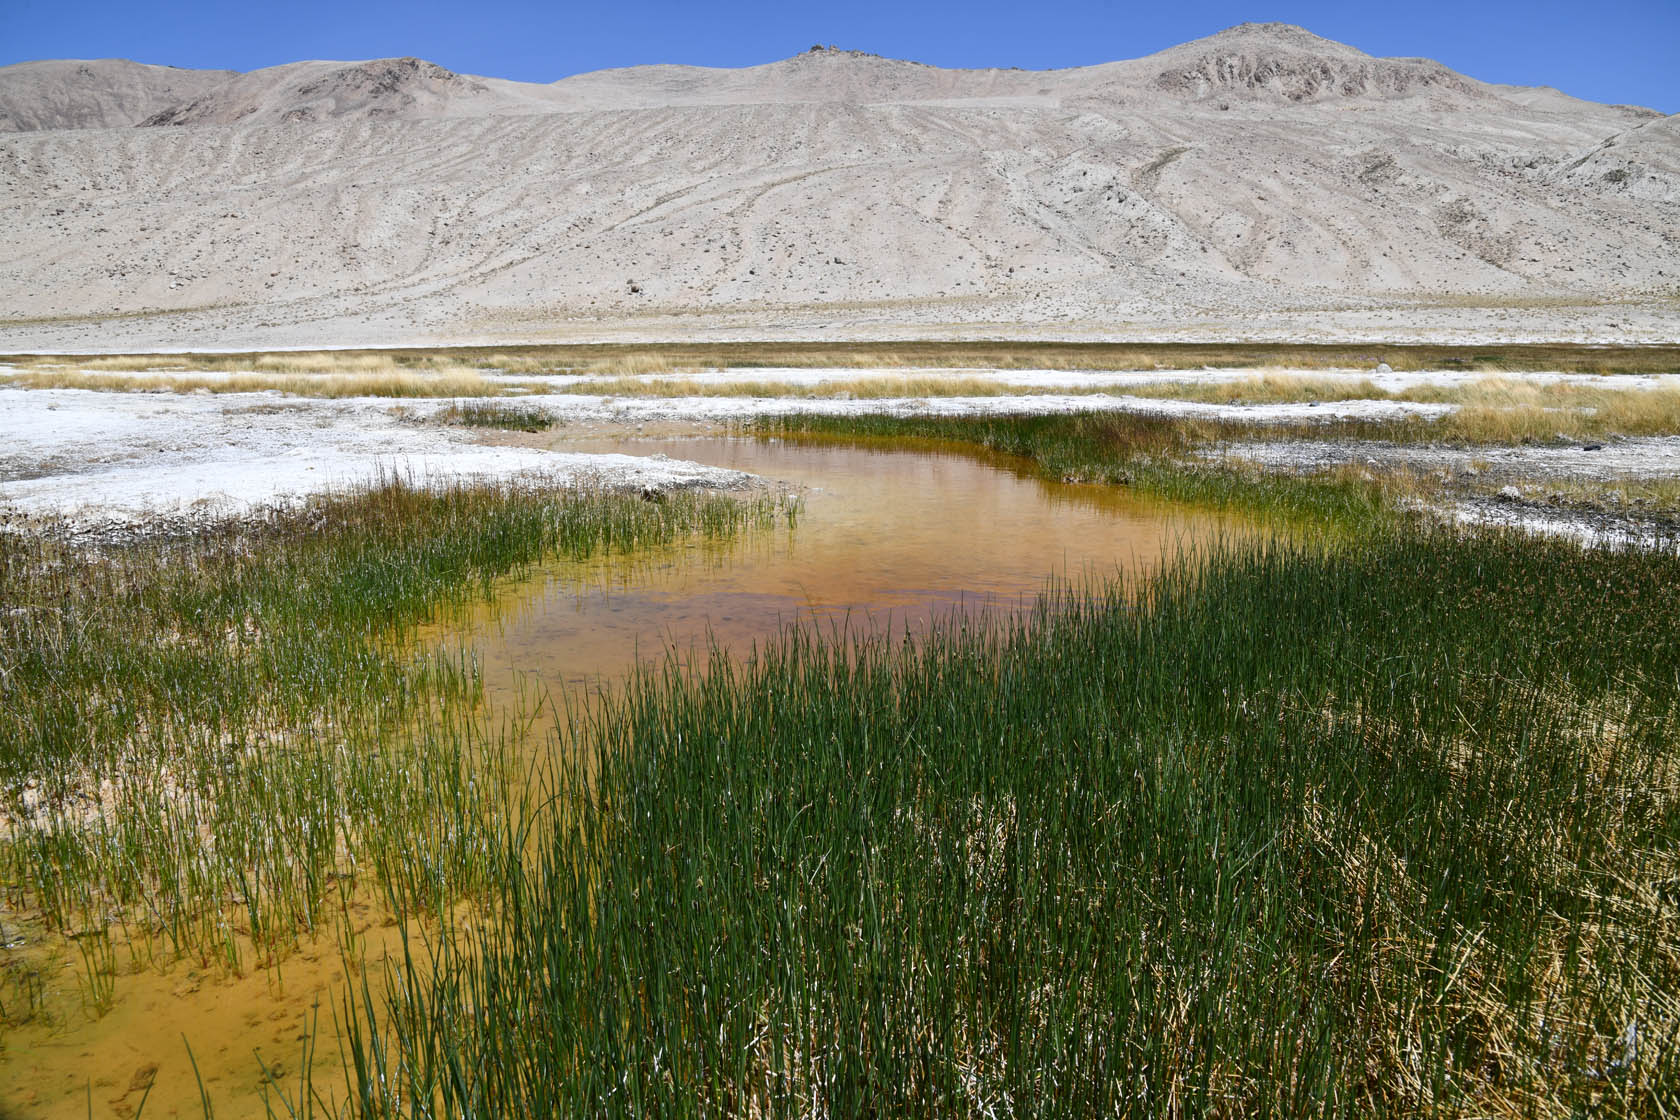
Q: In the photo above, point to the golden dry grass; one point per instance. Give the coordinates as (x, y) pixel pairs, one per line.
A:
(1270, 387)
(331, 385)
(1494, 409)
(854, 388)
(634, 358)
(1509, 411)
(318, 362)
(1638, 496)
(1489, 410)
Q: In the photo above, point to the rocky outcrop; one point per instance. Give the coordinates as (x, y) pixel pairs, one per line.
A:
(387, 88)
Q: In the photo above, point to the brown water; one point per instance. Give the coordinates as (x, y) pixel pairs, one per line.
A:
(887, 538)
(250, 1033)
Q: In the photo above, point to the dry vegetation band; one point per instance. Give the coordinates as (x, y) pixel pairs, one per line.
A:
(665, 357)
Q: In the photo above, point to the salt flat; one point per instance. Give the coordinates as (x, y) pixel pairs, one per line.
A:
(1263, 183)
(107, 459)
(148, 459)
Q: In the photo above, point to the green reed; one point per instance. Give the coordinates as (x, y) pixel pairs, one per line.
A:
(495, 414)
(206, 740)
(1389, 828)
(1151, 454)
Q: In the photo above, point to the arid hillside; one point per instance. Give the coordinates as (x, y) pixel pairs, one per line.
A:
(1260, 183)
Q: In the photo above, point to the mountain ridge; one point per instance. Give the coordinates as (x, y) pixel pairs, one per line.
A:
(1272, 61)
(1283, 186)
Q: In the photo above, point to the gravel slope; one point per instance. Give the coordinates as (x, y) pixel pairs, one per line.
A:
(1262, 183)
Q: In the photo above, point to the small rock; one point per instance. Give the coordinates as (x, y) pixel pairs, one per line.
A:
(1592, 447)
(1510, 494)
(1383, 367)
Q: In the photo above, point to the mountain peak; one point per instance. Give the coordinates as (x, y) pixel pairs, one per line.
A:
(1290, 63)
(314, 91)
(1257, 63)
(1264, 38)
(1285, 34)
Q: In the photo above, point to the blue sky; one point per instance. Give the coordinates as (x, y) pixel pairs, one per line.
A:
(1608, 50)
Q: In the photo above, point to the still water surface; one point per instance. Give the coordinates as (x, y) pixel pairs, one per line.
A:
(887, 538)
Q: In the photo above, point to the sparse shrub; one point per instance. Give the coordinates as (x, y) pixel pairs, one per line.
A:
(484, 414)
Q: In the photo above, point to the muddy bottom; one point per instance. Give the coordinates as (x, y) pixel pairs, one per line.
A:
(191, 1039)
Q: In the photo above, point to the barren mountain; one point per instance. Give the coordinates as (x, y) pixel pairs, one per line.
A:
(392, 88)
(110, 93)
(1263, 182)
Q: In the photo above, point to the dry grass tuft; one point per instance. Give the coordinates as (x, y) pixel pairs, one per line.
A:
(318, 362)
(1494, 410)
(1506, 410)
(1268, 388)
(856, 388)
(510, 417)
(632, 358)
(329, 385)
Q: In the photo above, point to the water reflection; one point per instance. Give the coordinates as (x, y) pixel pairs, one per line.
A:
(888, 538)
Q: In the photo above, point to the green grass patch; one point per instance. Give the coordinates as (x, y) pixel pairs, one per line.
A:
(510, 417)
(1154, 455)
(1384, 829)
(205, 740)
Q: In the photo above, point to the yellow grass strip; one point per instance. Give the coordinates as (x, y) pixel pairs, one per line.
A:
(393, 383)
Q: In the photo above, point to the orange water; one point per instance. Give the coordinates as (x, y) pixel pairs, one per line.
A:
(886, 538)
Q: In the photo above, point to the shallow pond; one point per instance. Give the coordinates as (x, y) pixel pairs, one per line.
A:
(886, 539)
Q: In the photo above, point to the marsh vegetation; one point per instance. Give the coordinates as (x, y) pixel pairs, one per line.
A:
(1151, 454)
(496, 414)
(1468, 399)
(1363, 817)
(1381, 829)
(213, 742)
